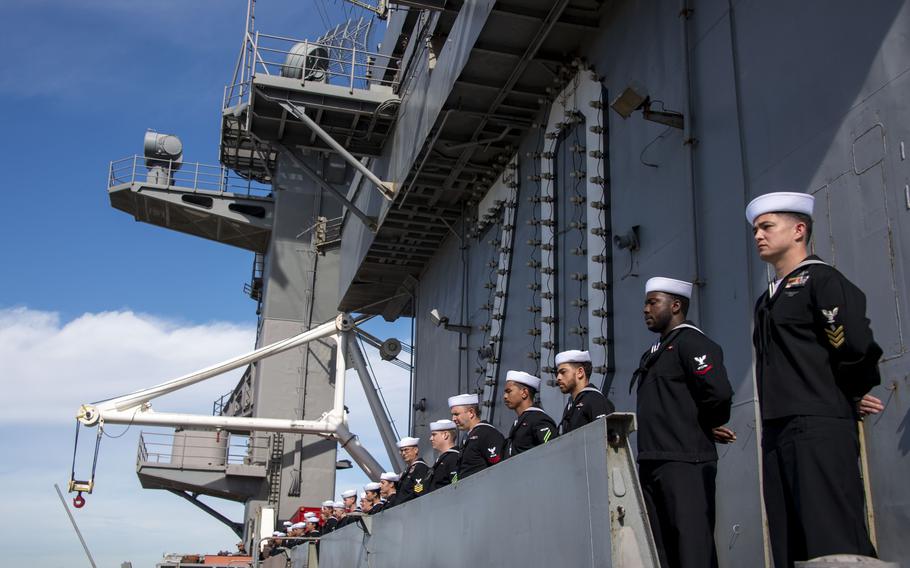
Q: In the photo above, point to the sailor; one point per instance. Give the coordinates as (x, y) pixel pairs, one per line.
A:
(328, 521)
(443, 437)
(683, 394)
(275, 545)
(815, 358)
(349, 498)
(533, 426)
(295, 533)
(586, 403)
(311, 530)
(339, 512)
(415, 479)
(366, 503)
(371, 490)
(482, 446)
(387, 489)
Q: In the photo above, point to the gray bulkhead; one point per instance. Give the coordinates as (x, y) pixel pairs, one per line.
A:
(300, 291)
(779, 96)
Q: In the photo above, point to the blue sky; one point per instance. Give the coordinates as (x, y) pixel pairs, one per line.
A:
(90, 300)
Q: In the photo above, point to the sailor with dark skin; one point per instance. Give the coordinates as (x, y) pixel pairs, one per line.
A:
(682, 395)
(415, 479)
(443, 437)
(532, 426)
(586, 402)
(816, 360)
(482, 446)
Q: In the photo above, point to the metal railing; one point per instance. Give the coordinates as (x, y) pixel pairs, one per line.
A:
(192, 177)
(308, 61)
(186, 448)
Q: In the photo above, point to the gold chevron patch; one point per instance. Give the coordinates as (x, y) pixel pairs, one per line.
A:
(836, 336)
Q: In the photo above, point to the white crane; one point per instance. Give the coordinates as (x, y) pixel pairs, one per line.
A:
(135, 408)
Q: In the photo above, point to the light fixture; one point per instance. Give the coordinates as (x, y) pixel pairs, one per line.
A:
(163, 156)
(343, 464)
(442, 321)
(630, 240)
(634, 97)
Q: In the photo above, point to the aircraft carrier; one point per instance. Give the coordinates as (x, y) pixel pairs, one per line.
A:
(521, 168)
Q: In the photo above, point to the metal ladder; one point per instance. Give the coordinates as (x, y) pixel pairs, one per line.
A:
(277, 444)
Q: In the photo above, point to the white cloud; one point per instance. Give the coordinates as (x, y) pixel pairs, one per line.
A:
(48, 367)
(52, 367)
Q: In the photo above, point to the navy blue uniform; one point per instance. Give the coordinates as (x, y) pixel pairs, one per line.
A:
(683, 392)
(414, 481)
(445, 469)
(815, 357)
(532, 428)
(482, 448)
(588, 406)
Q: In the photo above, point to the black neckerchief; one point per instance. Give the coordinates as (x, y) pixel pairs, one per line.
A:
(656, 351)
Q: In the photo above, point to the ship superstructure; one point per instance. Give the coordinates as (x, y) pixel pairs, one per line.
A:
(508, 174)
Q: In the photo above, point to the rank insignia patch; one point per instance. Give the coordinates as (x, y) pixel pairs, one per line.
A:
(418, 486)
(830, 314)
(835, 336)
(702, 365)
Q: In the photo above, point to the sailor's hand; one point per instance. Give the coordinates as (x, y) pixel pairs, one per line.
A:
(723, 435)
(869, 405)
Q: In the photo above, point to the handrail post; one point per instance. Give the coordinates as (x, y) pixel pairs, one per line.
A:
(196, 178)
(353, 66)
(168, 180)
(256, 56)
(306, 56)
(133, 174)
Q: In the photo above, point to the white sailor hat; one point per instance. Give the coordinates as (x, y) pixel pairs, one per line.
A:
(669, 285)
(463, 400)
(371, 486)
(573, 356)
(363, 495)
(328, 503)
(298, 525)
(349, 493)
(277, 533)
(442, 425)
(311, 519)
(389, 476)
(780, 201)
(523, 378)
(407, 442)
(287, 523)
(338, 505)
